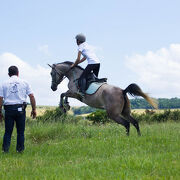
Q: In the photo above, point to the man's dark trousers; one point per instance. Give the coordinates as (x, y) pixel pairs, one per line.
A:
(13, 115)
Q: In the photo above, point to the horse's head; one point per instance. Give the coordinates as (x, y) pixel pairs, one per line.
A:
(57, 77)
(60, 71)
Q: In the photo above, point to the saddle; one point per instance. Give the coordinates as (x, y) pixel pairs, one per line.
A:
(85, 83)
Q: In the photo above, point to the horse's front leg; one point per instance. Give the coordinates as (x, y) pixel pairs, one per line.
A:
(64, 104)
(61, 103)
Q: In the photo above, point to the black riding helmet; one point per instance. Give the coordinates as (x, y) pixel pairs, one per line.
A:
(81, 38)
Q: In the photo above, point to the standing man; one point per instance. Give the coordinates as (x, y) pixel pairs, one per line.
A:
(13, 93)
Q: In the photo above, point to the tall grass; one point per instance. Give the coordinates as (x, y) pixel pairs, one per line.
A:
(56, 150)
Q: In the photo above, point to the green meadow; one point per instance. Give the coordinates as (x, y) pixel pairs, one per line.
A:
(79, 150)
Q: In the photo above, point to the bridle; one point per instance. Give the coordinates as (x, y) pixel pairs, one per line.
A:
(56, 71)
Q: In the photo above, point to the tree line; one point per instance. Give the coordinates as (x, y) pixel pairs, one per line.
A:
(149, 116)
(163, 103)
(138, 103)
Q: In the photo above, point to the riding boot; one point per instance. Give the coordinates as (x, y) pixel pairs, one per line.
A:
(83, 86)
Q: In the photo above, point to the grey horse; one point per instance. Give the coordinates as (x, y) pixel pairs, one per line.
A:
(113, 99)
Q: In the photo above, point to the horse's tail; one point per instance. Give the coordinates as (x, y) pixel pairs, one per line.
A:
(135, 90)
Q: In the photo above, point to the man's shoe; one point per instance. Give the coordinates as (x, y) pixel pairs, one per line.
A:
(5, 151)
(20, 152)
(19, 149)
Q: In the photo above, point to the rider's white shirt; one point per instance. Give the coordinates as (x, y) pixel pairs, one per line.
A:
(15, 91)
(87, 51)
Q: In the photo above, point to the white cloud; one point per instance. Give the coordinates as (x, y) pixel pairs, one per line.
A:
(159, 71)
(44, 49)
(38, 77)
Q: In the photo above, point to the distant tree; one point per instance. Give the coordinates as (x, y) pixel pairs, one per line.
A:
(137, 103)
(163, 103)
(83, 110)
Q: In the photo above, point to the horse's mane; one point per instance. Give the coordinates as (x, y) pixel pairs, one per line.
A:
(70, 63)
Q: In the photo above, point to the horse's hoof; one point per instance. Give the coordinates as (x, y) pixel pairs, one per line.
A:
(60, 105)
(61, 108)
(68, 107)
(64, 110)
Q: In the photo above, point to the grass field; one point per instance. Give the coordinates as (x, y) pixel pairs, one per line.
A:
(140, 111)
(40, 110)
(79, 151)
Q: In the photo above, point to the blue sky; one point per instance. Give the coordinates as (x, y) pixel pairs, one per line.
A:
(40, 32)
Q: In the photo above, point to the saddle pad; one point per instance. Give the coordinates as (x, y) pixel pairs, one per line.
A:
(93, 87)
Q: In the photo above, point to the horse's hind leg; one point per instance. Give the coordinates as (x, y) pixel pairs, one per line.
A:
(120, 120)
(123, 122)
(126, 114)
(134, 122)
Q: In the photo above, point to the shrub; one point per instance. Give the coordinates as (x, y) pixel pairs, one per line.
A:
(99, 116)
(57, 115)
(150, 116)
(51, 115)
(83, 110)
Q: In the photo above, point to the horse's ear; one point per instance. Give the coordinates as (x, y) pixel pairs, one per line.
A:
(49, 65)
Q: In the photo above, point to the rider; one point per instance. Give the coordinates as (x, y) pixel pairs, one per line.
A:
(87, 52)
